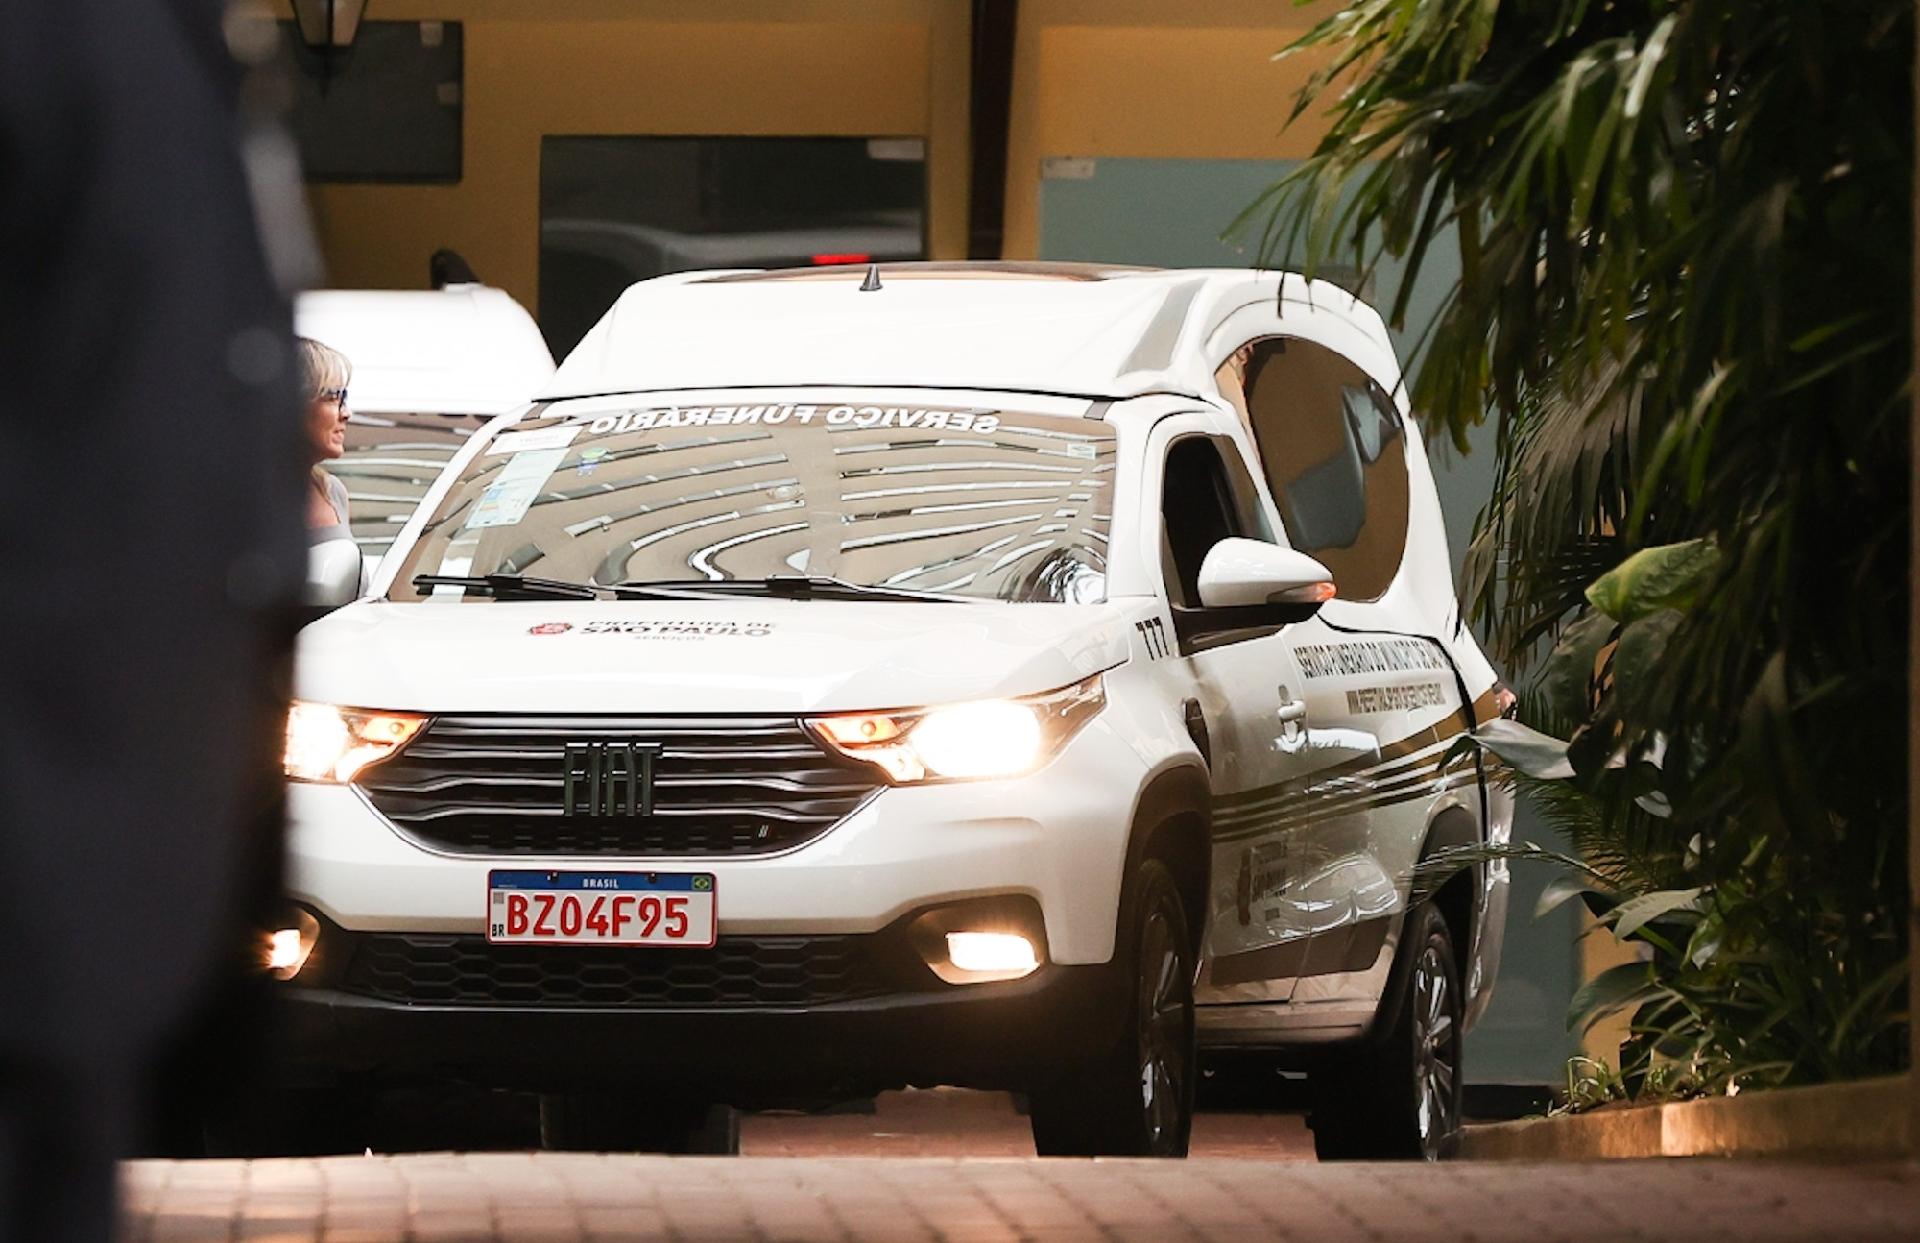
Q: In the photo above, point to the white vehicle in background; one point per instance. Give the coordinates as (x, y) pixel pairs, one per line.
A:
(1010, 676)
(430, 367)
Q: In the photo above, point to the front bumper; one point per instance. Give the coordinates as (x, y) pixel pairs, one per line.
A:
(1058, 836)
(875, 1018)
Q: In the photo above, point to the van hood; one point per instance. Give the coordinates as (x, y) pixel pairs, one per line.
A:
(733, 656)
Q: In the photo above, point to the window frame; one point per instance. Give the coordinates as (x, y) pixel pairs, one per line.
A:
(1256, 519)
(1237, 397)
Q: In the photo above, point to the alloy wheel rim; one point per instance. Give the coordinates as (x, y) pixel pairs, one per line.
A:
(1435, 1051)
(1163, 1032)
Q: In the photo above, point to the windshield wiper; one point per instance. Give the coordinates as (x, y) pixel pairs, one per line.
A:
(510, 586)
(796, 587)
(664, 589)
(801, 586)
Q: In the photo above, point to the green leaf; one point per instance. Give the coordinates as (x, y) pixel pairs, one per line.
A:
(1568, 679)
(1562, 888)
(1670, 576)
(1525, 748)
(1706, 941)
(1641, 646)
(1650, 58)
(1635, 913)
(1655, 803)
(1612, 990)
(1876, 993)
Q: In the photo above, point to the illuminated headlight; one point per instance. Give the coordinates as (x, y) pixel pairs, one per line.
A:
(993, 738)
(325, 743)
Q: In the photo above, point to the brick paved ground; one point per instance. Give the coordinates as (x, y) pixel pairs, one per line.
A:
(543, 1198)
(945, 1122)
(941, 1122)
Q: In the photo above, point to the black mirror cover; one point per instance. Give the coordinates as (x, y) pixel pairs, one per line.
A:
(1201, 628)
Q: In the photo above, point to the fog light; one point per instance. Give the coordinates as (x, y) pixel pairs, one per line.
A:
(981, 940)
(285, 950)
(1003, 955)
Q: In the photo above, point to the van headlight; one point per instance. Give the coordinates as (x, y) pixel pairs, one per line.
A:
(992, 738)
(325, 743)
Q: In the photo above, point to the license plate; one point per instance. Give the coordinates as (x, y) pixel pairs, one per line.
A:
(601, 908)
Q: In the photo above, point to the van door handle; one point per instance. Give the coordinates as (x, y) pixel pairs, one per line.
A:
(1293, 724)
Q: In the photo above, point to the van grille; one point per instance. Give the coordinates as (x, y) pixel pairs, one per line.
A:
(736, 972)
(722, 786)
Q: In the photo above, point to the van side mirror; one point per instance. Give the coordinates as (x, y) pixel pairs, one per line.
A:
(1240, 573)
(1248, 584)
(333, 574)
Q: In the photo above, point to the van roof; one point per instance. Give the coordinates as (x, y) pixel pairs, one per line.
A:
(1104, 332)
(465, 349)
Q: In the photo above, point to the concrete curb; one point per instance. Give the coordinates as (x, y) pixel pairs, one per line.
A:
(1869, 1118)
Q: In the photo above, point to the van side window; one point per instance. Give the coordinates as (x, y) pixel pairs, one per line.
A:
(1333, 448)
(1206, 496)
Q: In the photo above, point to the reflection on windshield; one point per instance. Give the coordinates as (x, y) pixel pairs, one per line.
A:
(390, 462)
(993, 504)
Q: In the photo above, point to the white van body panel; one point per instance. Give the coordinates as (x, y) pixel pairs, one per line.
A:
(1098, 331)
(464, 349)
(746, 656)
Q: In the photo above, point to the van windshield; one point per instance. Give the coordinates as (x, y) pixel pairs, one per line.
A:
(390, 462)
(979, 502)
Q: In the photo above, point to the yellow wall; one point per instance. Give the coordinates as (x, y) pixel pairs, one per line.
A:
(1151, 78)
(1163, 78)
(792, 67)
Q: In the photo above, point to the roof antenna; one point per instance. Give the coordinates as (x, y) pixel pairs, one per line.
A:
(872, 283)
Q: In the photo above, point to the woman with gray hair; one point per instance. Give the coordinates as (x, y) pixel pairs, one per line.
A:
(324, 372)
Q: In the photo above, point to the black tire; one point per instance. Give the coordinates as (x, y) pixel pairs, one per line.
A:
(625, 1121)
(1136, 1099)
(1396, 1096)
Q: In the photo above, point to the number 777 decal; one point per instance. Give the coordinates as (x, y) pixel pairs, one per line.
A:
(1153, 633)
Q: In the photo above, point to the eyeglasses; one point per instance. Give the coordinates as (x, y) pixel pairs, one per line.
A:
(332, 394)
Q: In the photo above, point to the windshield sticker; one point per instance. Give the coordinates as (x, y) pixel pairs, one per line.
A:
(541, 438)
(590, 459)
(507, 499)
(857, 417)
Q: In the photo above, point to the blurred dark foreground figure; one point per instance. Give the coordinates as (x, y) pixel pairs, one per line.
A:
(151, 540)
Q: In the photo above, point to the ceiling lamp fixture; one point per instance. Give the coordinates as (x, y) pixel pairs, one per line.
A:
(329, 23)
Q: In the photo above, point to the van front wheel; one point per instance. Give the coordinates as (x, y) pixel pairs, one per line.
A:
(1396, 1096)
(1136, 1099)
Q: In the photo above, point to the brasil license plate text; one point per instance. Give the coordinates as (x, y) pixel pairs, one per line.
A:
(601, 908)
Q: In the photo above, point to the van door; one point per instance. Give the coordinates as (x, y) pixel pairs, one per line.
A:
(1249, 692)
(1377, 688)
(1387, 705)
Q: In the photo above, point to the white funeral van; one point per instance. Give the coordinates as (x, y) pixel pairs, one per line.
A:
(1012, 676)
